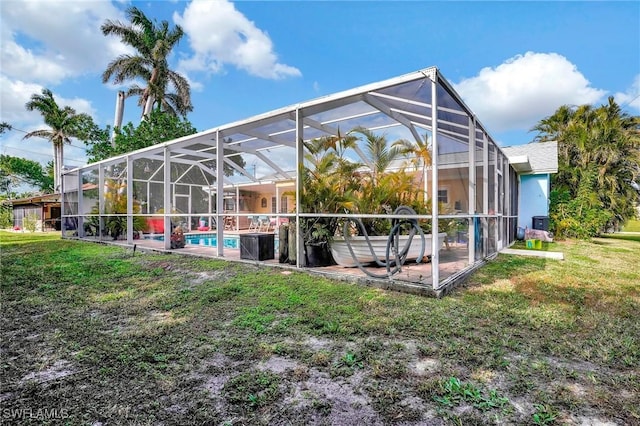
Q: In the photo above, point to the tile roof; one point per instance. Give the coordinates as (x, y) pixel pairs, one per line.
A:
(542, 157)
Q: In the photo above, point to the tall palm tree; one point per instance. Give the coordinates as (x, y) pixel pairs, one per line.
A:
(64, 124)
(153, 44)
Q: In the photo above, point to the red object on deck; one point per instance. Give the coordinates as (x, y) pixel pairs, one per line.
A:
(156, 225)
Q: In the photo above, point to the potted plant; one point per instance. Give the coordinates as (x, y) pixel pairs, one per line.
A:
(381, 188)
(327, 181)
(333, 184)
(115, 203)
(316, 244)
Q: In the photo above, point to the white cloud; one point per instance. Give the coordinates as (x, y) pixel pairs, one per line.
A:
(79, 104)
(525, 89)
(19, 61)
(42, 44)
(632, 96)
(48, 41)
(219, 35)
(13, 96)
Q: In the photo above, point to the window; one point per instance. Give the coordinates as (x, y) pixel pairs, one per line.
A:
(263, 203)
(443, 196)
(273, 205)
(283, 204)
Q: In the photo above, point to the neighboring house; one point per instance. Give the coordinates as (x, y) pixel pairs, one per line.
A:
(534, 163)
(45, 207)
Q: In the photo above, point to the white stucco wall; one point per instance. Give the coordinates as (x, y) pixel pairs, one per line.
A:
(534, 196)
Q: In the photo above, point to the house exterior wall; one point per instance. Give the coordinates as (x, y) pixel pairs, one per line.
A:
(534, 198)
(457, 195)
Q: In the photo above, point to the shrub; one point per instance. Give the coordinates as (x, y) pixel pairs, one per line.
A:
(581, 217)
(6, 217)
(30, 222)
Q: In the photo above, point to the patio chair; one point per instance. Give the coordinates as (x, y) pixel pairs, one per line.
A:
(254, 223)
(264, 222)
(229, 223)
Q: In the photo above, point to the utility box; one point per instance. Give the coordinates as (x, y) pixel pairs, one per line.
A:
(541, 223)
(257, 246)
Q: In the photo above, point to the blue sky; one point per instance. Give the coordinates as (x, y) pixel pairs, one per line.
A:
(512, 62)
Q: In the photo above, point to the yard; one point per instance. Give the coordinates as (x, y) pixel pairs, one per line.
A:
(96, 334)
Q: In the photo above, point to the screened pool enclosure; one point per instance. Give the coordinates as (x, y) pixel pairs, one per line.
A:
(401, 164)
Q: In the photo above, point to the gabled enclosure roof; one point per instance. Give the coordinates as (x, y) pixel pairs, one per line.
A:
(403, 101)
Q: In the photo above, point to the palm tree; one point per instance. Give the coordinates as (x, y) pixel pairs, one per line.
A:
(378, 153)
(64, 124)
(420, 154)
(153, 44)
(598, 157)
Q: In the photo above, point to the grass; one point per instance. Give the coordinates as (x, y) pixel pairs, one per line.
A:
(632, 226)
(96, 334)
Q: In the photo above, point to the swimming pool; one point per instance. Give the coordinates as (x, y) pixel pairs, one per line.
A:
(211, 240)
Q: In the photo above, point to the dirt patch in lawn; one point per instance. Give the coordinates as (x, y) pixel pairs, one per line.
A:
(155, 339)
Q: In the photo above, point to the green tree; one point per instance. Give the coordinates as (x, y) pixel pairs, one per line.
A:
(153, 44)
(64, 123)
(378, 152)
(157, 128)
(598, 159)
(16, 170)
(6, 216)
(381, 190)
(420, 157)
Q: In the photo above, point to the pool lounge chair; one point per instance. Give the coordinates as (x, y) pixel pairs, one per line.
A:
(265, 224)
(254, 223)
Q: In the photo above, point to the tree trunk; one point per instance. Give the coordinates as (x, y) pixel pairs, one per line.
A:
(148, 106)
(56, 169)
(60, 165)
(117, 120)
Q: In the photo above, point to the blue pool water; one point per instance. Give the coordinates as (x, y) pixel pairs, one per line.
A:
(211, 241)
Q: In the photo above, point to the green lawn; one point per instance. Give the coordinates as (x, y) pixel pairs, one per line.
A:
(632, 226)
(96, 334)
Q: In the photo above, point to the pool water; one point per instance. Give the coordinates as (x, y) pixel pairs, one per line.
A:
(211, 241)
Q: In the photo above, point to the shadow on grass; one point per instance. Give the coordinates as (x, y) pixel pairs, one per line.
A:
(506, 267)
(569, 286)
(626, 237)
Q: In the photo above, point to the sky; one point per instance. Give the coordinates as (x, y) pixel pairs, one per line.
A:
(513, 63)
